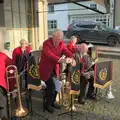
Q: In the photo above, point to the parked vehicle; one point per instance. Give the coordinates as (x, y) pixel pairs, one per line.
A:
(117, 28)
(93, 32)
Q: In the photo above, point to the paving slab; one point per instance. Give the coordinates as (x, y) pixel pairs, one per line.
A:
(99, 110)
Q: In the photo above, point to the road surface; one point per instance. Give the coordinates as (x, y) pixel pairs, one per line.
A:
(102, 47)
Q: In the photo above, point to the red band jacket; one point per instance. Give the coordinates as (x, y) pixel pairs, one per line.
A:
(17, 51)
(73, 49)
(49, 58)
(5, 61)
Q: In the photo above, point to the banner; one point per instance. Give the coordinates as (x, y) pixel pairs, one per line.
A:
(94, 54)
(33, 77)
(103, 74)
(74, 73)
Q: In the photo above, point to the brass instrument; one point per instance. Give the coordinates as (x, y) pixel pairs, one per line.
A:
(10, 70)
(20, 111)
(65, 91)
(110, 94)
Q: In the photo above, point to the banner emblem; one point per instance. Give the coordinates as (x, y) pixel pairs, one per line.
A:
(33, 72)
(76, 77)
(103, 74)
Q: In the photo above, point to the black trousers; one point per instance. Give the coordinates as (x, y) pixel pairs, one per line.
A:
(83, 84)
(3, 104)
(51, 94)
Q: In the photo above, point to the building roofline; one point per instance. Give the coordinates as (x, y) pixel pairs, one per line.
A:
(57, 3)
(53, 2)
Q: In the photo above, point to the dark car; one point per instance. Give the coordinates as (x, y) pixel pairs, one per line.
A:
(94, 32)
(117, 28)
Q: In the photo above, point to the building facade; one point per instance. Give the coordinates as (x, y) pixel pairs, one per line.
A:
(117, 14)
(56, 18)
(64, 14)
(23, 19)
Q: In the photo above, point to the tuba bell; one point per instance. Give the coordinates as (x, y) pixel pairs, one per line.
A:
(20, 111)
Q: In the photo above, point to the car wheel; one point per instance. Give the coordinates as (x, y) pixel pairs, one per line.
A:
(112, 41)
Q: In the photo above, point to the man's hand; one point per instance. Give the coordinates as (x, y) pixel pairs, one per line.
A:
(86, 75)
(71, 61)
(61, 60)
(68, 60)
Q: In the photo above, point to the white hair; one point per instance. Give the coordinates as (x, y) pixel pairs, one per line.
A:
(73, 37)
(23, 40)
(57, 31)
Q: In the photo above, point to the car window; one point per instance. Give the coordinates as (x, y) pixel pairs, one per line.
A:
(99, 27)
(85, 26)
(117, 28)
(96, 28)
(103, 26)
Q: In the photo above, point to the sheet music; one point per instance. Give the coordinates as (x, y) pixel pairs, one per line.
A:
(58, 85)
(43, 84)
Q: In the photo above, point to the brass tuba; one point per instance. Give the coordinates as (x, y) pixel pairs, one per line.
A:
(20, 111)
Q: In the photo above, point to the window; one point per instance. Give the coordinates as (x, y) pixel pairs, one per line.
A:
(51, 8)
(52, 24)
(8, 19)
(19, 20)
(7, 4)
(103, 19)
(93, 6)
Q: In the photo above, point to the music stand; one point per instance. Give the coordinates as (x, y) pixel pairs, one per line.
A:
(71, 113)
(102, 77)
(100, 95)
(34, 83)
(94, 58)
(31, 110)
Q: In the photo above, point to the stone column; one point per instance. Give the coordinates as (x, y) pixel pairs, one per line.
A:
(42, 20)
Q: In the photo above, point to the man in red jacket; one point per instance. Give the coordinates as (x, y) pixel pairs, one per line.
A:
(72, 45)
(53, 49)
(5, 61)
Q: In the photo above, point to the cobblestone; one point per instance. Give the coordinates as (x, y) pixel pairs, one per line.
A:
(100, 110)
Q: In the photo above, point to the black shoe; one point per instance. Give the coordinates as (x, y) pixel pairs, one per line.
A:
(55, 105)
(81, 100)
(1, 108)
(49, 109)
(92, 97)
(4, 118)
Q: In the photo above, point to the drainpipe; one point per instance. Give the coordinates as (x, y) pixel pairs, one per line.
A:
(114, 10)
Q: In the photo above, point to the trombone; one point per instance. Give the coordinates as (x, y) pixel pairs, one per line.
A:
(20, 111)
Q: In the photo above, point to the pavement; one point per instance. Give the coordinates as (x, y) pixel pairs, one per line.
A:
(93, 110)
(79, 115)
